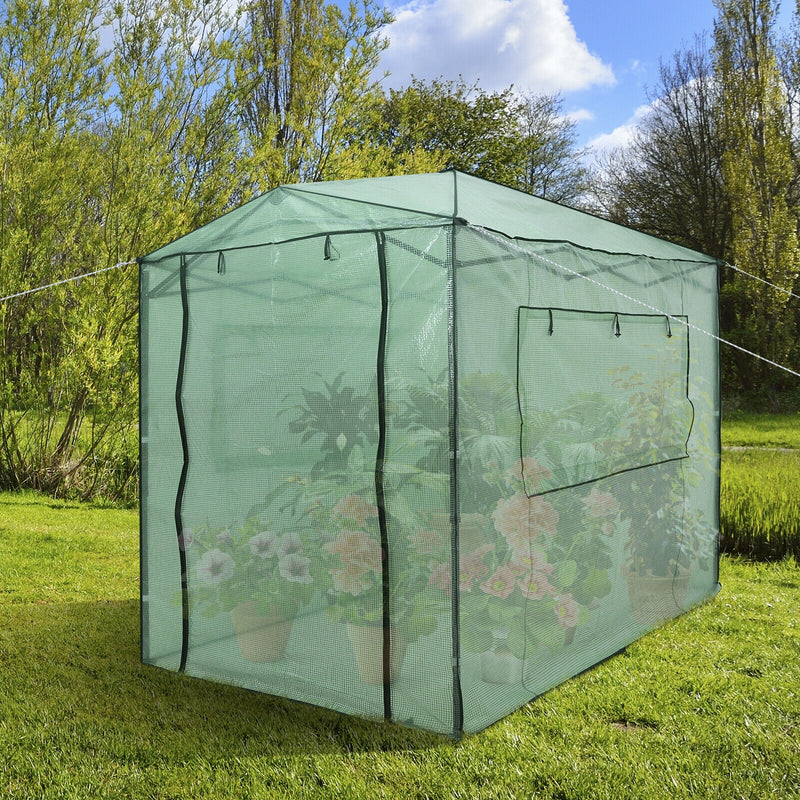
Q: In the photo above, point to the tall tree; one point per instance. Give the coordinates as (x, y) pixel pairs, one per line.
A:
(304, 76)
(668, 180)
(758, 174)
(548, 160)
(52, 88)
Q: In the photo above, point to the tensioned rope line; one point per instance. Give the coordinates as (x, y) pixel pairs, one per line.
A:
(66, 280)
(513, 246)
(756, 278)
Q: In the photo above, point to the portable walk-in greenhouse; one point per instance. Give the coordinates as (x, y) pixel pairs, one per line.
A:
(421, 447)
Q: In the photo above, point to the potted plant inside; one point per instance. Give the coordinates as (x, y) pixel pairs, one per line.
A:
(665, 536)
(338, 501)
(261, 577)
(534, 580)
(354, 563)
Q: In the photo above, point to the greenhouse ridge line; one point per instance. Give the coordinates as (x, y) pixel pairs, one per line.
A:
(512, 245)
(66, 280)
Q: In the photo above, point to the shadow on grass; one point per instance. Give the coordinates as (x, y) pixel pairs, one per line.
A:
(73, 669)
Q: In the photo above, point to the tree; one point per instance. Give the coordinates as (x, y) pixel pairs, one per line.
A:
(105, 156)
(758, 175)
(668, 181)
(549, 163)
(52, 87)
(303, 78)
(520, 141)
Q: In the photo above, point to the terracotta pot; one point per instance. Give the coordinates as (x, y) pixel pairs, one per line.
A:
(499, 665)
(655, 598)
(261, 638)
(367, 641)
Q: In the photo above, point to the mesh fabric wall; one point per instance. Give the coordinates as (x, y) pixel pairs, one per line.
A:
(401, 460)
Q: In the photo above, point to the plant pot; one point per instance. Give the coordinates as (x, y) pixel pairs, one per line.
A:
(655, 598)
(501, 666)
(261, 638)
(367, 641)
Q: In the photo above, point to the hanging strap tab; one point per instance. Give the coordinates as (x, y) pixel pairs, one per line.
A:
(327, 248)
(550, 329)
(617, 331)
(221, 263)
(669, 328)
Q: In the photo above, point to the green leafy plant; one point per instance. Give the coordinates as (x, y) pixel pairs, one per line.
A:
(340, 418)
(666, 534)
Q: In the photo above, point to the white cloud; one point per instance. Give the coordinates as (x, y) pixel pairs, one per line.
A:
(580, 115)
(622, 134)
(528, 43)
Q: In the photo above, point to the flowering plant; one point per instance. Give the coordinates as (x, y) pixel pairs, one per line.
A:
(354, 562)
(248, 563)
(528, 580)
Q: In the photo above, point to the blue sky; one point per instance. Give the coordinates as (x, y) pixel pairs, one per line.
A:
(601, 55)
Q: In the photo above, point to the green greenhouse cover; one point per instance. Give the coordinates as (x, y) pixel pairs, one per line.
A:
(421, 447)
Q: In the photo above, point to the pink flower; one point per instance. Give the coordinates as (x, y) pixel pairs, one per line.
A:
(601, 504)
(566, 611)
(215, 567)
(349, 582)
(531, 470)
(353, 507)
(534, 586)
(521, 519)
(501, 584)
(472, 567)
(531, 560)
(358, 552)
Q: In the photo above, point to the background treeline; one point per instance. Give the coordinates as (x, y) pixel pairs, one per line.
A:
(124, 125)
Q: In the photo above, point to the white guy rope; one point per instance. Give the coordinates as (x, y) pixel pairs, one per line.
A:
(513, 246)
(66, 280)
(756, 278)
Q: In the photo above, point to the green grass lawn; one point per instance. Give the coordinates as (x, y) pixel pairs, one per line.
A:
(760, 492)
(741, 429)
(707, 706)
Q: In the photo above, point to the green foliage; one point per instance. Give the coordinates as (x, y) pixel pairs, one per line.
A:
(758, 173)
(705, 706)
(525, 142)
(303, 79)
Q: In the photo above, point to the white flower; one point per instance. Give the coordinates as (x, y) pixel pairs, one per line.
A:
(294, 568)
(264, 544)
(341, 441)
(215, 567)
(289, 544)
